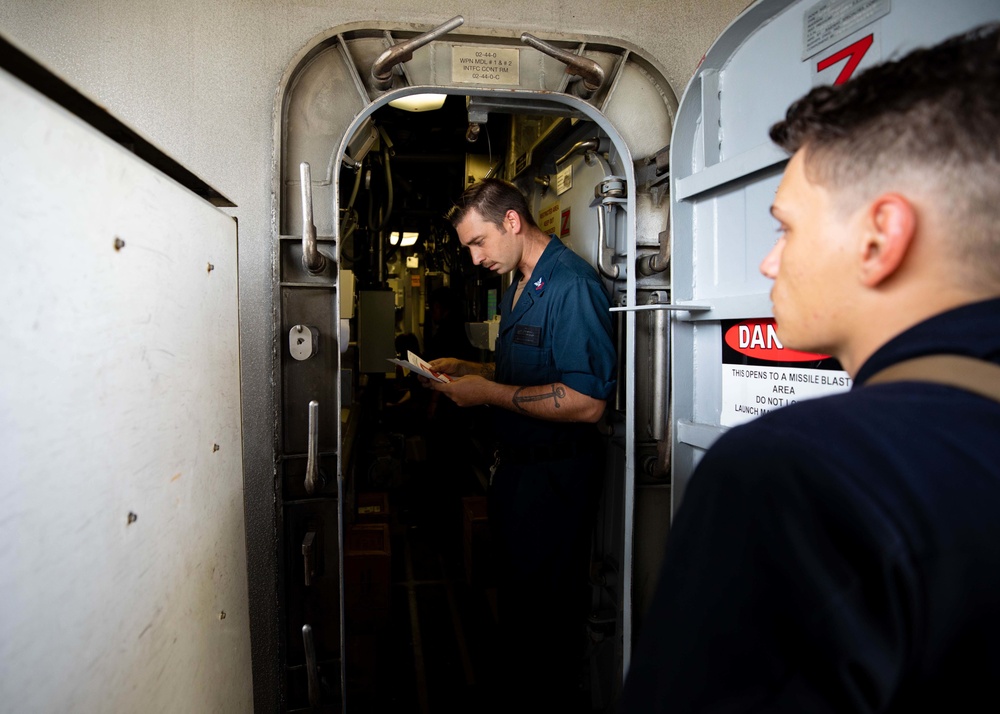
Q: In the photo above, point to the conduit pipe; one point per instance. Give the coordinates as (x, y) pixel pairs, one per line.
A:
(388, 184)
(350, 220)
(585, 145)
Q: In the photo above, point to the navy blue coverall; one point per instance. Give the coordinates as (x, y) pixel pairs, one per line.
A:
(840, 554)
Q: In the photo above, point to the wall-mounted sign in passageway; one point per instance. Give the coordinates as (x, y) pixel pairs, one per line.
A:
(760, 375)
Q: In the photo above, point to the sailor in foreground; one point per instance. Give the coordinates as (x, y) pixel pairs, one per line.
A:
(841, 554)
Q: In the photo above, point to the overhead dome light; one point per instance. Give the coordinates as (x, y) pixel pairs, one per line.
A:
(408, 238)
(419, 102)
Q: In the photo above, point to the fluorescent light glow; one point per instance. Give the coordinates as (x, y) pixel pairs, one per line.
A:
(419, 102)
(408, 238)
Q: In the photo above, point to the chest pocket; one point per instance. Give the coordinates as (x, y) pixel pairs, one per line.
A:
(532, 364)
(527, 347)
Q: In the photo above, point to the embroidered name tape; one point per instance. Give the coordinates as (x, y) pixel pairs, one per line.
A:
(528, 335)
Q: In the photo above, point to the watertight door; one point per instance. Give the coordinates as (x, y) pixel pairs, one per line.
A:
(122, 543)
(331, 117)
(727, 366)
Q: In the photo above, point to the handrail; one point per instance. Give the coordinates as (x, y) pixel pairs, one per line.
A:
(587, 69)
(312, 259)
(403, 52)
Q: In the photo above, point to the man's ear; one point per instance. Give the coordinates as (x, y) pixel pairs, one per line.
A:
(513, 219)
(889, 225)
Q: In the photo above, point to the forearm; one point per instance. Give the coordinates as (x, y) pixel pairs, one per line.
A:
(474, 386)
(550, 402)
(486, 370)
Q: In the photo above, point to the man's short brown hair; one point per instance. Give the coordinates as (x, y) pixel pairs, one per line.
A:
(492, 198)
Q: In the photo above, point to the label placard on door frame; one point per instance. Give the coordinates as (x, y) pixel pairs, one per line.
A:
(828, 22)
(486, 65)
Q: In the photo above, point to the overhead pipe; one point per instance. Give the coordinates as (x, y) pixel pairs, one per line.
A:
(403, 52)
(591, 74)
(593, 149)
(585, 145)
(350, 220)
(598, 146)
(387, 166)
(379, 232)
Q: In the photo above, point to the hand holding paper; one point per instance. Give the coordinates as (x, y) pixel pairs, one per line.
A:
(421, 367)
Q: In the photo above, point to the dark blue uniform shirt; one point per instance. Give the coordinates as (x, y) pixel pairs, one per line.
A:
(840, 554)
(559, 331)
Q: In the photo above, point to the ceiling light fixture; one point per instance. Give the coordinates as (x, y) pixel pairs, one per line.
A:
(419, 102)
(408, 238)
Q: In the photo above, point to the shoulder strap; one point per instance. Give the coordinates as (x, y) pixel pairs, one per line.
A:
(968, 373)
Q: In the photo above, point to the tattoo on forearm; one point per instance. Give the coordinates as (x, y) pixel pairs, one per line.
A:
(558, 392)
(489, 371)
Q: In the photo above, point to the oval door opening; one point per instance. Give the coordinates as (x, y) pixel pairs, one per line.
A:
(402, 515)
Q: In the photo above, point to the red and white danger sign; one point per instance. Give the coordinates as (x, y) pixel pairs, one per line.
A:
(760, 375)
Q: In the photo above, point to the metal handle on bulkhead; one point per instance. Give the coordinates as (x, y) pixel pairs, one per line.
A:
(588, 70)
(308, 556)
(611, 270)
(312, 668)
(312, 259)
(661, 367)
(403, 52)
(314, 481)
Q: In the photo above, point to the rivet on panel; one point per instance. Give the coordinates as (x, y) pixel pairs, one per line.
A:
(211, 267)
(119, 243)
